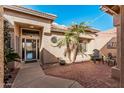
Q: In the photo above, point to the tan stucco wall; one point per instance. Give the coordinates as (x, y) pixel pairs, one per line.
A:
(1, 49)
(59, 52)
(13, 17)
(102, 39)
(48, 45)
(105, 50)
(91, 43)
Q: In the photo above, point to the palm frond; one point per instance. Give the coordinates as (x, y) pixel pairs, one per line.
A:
(61, 43)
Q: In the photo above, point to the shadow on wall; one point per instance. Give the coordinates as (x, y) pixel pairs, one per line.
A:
(47, 57)
(110, 47)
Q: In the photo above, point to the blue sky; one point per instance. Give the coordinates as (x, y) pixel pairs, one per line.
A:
(67, 14)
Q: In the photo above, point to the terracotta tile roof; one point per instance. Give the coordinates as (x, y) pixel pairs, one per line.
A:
(109, 32)
(63, 28)
(58, 28)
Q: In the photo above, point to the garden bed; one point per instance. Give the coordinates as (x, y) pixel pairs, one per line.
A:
(12, 78)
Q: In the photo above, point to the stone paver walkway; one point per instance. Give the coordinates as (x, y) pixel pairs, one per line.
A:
(31, 75)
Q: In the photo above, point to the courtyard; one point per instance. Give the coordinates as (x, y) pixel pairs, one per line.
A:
(35, 37)
(88, 74)
(31, 75)
(76, 75)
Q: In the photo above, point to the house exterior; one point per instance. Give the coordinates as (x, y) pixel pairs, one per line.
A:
(34, 34)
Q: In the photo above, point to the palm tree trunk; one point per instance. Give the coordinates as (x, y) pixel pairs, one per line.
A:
(68, 54)
(74, 53)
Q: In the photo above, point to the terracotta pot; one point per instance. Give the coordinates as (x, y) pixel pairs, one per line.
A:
(13, 65)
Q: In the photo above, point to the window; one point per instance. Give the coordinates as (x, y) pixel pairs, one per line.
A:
(30, 32)
(84, 46)
(111, 45)
(54, 39)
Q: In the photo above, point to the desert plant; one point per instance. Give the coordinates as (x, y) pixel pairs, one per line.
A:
(72, 41)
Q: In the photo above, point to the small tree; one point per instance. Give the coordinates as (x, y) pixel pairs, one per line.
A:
(66, 41)
(72, 41)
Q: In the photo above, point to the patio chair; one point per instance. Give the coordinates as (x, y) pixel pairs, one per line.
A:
(111, 59)
(96, 56)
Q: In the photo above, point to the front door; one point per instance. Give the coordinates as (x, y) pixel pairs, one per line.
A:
(30, 46)
(30, 49)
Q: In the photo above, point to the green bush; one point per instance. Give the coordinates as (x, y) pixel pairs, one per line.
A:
(12, 56)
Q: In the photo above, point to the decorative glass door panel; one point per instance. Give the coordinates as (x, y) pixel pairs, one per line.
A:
(30, 46)
(30, 49)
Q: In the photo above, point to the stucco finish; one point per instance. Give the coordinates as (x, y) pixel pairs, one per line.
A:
(1, 48)
(59, 52)
(52, 48)
(13, 17)
(105, 50)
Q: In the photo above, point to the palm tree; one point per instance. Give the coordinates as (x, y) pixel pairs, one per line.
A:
(72, 41)
(67, 42)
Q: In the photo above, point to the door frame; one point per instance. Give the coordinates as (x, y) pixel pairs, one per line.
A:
(25, 37)
(25, 58)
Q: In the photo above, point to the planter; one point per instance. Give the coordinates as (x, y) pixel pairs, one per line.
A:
(62, 62)
(13, 65)
(10, 65)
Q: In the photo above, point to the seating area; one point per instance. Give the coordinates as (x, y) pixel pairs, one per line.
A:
(109, 59)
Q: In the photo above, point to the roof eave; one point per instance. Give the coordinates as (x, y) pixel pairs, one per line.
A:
(30, 11)
(110, 10)
(92, 30)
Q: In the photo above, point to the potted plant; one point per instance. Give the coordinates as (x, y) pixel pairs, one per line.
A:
(61, 61)
(11, 57)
